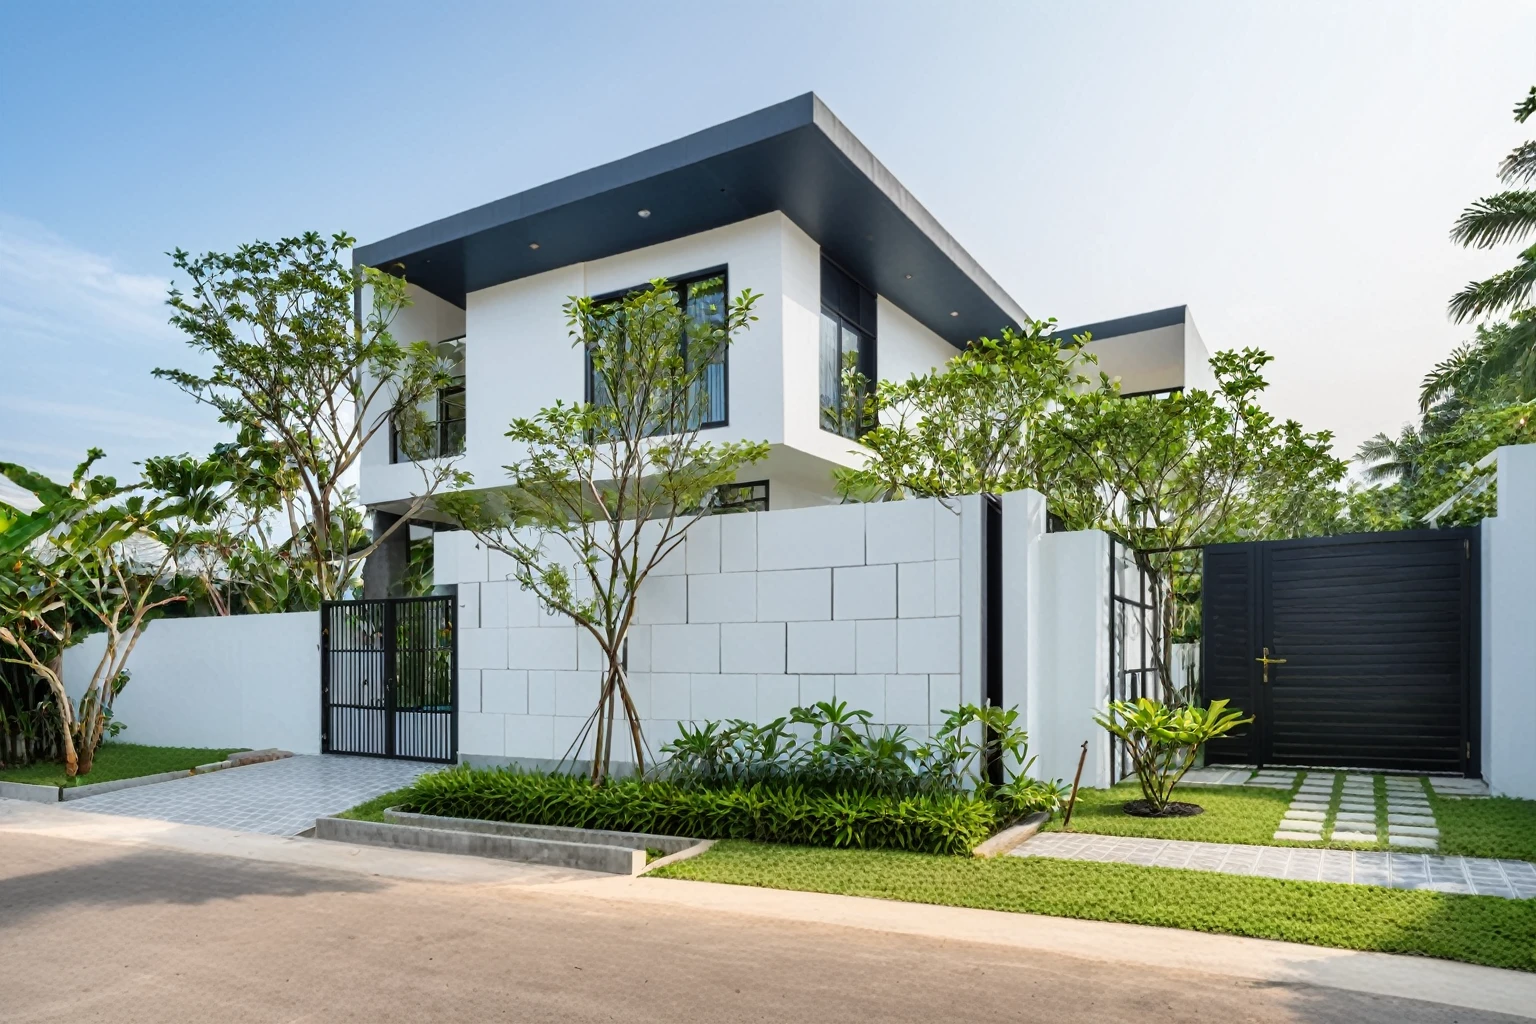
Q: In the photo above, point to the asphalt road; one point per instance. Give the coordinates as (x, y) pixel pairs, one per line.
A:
(102, 932)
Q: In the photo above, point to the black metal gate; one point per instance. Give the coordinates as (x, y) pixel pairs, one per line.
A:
(389, 678)
(1351, 652)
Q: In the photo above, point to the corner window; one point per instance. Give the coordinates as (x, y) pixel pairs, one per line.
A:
(440, 417)
(747, 497)
(847, 344)
(702, 297)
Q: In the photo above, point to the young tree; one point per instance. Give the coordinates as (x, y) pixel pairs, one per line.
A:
(604, 490)
(105, 560)
(973, 425)
(293, 361)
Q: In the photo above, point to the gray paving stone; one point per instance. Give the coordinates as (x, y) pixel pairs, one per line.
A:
(1364, 806)
(1418, 841)
(1355, 818)
(1353, 837)
(1304, 814)
(1366, 867)
(274, 797)
(1299, 836)
(1426, 831)
(1410, 819)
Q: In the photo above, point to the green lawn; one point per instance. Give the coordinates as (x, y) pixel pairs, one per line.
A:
(1496, 827)
(1499, 826)
(118, 761)
(1476, 929)
(1233, 814)
(373, 810)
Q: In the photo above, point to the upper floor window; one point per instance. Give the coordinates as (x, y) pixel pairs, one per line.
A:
(847, 343)
(748, 497)
(702, 298)
(440, 424)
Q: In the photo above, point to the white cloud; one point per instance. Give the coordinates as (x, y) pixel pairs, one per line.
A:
(50, 287)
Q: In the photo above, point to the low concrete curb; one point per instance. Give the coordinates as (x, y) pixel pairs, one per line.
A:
(98, 788)
(597, 836)
(28, 791)
(613, 860)
(693, 851)
(1008, 838)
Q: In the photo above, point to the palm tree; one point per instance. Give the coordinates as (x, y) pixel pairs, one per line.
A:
(1390, 459)
(1507, 216)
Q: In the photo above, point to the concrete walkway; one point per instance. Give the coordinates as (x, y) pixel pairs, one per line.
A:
(1512, 879)
(242, 926)
(280, 798)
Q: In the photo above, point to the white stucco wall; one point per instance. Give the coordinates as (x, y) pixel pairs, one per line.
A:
(758, 613)
(1509, 632)
(1055, 638)
(235, 681)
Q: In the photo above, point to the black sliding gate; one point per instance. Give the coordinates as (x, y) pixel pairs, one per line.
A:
(389, 678)
(1351, 652)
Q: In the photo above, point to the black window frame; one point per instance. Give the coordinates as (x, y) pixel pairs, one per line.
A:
(855, 308)
(742, 497)
(440, 422)
(679, 285)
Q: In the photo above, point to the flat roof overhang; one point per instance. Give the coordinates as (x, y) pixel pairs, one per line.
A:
(795, 157)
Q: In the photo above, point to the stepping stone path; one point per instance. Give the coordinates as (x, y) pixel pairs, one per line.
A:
(1351, 811)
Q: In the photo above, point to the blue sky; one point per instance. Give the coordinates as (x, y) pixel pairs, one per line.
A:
(1290, 171)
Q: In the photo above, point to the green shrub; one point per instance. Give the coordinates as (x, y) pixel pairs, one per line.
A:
(1163, 741)
(769, 812)
(844, 752)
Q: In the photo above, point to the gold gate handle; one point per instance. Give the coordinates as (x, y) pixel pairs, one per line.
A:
(1267, 661)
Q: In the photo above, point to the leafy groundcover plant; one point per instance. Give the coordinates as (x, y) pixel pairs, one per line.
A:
(821, 777)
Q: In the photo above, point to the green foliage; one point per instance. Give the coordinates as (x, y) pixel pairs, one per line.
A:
(1475, 929)
(1247, 815)
(844, 752)
(1499, 826)
(974, 425)
(606, 489)
(1162, 741)
(307, 381)
(930, 822)
(107, 562)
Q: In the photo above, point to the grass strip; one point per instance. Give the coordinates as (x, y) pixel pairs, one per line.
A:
(1496, 826)
(1475, 929)
(116, 761)
(373, 810)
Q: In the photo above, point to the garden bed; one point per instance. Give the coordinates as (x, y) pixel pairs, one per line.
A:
(1475, 929)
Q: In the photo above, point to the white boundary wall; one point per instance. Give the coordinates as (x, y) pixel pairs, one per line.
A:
(1056, 638)
(878, 605)
(235, 681)
(1508, 665)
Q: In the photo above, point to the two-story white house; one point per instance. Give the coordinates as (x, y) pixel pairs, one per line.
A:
(785, 201)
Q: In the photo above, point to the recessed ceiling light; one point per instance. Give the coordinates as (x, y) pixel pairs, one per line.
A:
(645, 213)
(954, 312)
(533, 245)
(909, 277)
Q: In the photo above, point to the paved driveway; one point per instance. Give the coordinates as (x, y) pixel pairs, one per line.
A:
(280, 798)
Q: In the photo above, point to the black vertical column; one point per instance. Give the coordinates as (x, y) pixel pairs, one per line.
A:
(384, 571)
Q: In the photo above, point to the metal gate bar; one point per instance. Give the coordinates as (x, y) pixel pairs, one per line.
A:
(389, 678)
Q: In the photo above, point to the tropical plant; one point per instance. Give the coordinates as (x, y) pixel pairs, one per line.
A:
(1505, 359)
(839, 749)
(312, 381)
(1162, 741)
(973, 425)
(947, 823)
(106, 561)
(605, 490)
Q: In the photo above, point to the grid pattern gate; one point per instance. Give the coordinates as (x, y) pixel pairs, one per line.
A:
(389, 678)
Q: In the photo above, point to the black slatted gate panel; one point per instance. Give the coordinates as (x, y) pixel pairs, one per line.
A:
(1371, 638)
(389, 678)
